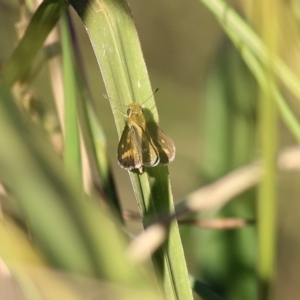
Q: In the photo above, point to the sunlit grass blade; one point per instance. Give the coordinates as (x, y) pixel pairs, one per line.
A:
(72, 157)
(117, 49)
(37, 31)
(269, 12)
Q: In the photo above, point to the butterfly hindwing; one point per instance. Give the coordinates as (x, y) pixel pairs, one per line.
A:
(164, 144)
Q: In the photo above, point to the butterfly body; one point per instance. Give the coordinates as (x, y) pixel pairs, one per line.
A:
(143, 144)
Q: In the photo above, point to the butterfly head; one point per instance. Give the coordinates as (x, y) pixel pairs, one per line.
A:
(134, 109)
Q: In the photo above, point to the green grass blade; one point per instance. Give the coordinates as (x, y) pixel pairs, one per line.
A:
(267, 193)
(37, 31)
(93, 135)
(116, 45)
(287, 115)
(72, 157)
(95, 142)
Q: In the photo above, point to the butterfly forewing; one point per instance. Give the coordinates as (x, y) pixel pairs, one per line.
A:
(129, 154)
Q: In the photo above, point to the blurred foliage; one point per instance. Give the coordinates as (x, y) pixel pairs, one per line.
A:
(62, 192)
(229, 137)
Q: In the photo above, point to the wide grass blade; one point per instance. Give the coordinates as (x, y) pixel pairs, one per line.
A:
(117, 49)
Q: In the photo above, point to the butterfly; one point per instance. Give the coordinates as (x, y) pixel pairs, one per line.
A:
(143, 144)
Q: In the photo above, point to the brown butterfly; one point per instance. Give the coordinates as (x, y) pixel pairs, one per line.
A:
(143, 143)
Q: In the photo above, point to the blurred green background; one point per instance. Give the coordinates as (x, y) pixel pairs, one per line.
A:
(207, 103)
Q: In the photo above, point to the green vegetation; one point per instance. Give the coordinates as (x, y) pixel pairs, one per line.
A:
(63, 234)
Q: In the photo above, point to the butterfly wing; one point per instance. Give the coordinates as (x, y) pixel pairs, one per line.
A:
(129, 154)
(142, 140)
(136, 148)
(163, 143)
(150, 152)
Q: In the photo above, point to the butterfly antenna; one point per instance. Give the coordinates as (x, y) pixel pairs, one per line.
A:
(151, 96)
(109, 98)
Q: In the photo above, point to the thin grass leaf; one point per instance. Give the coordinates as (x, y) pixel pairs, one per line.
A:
(252, 50)
(93, 135)
(267, 193)
(96, 146)
(288, 116)
(72, 157)
(37, 31)
(233, 24)
(117, 49)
